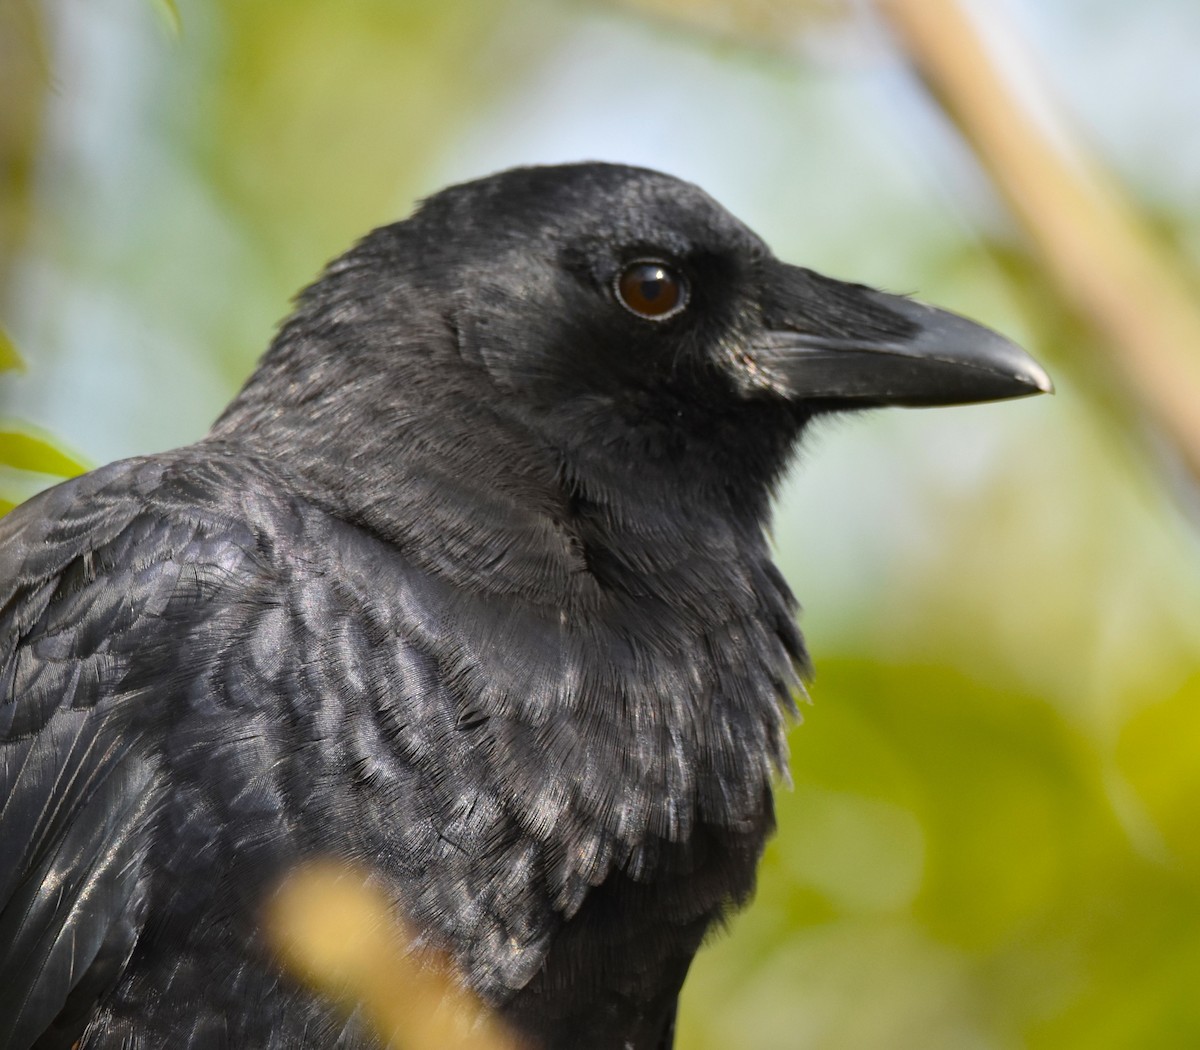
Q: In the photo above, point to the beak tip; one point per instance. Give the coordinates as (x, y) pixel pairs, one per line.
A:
(1037, 377)
(990, 366)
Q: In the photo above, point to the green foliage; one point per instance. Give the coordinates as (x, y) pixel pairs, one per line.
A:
(10, 360)
(23, 450)
(954, 871)
(29, 460)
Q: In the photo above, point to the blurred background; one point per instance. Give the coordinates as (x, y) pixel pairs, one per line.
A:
(993, 837)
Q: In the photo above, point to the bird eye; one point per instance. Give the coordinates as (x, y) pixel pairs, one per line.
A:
(651, 290)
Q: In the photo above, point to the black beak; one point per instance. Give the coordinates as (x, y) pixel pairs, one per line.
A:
(834, 342)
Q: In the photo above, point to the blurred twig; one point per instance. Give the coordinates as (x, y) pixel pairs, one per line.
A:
(1094, 244)
(338, 932)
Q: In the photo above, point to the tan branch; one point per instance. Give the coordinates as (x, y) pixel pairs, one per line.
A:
(1094, 244)
(337, 931)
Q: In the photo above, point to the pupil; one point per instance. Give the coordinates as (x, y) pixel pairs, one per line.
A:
(652, 287)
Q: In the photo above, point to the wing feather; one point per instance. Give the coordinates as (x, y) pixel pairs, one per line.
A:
(88, 574)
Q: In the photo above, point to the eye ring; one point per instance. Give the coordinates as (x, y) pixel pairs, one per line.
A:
(651, 289)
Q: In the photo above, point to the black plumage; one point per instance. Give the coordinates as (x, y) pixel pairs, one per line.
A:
(469, 586)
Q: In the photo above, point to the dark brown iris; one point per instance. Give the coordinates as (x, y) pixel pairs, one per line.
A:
(651, 289)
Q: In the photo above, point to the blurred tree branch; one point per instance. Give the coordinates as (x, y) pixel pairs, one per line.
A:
(1090, 237)
(337, 930)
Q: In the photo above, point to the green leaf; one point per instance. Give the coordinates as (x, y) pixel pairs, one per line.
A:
(5, 506)
(10, 360)
(25, 451)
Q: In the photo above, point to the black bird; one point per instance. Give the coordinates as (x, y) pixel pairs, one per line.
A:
(469, 587)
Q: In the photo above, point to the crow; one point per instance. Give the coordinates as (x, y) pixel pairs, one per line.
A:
(468, 587)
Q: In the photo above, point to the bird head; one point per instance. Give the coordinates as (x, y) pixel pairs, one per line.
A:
(624, 321)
